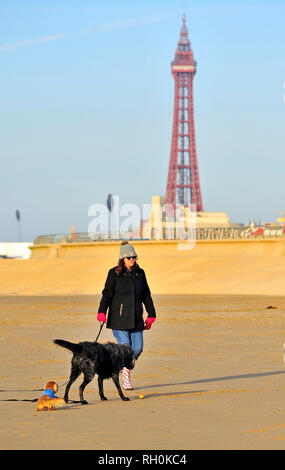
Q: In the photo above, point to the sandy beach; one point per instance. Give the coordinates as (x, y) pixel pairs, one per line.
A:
(212, 373)
(151, 124)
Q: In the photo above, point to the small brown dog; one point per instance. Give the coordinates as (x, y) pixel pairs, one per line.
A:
(48, 400)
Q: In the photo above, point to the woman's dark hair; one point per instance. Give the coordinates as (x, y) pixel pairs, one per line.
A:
(119, 269)
(121, 264)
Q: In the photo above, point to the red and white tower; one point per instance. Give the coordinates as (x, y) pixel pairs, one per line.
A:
(183, 184)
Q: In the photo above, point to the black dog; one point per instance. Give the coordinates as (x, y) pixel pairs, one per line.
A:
(106, 360)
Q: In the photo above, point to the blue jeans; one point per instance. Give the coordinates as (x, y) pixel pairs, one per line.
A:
(132, 337)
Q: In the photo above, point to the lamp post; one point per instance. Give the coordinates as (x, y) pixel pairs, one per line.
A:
(18, 217)
(110, 205)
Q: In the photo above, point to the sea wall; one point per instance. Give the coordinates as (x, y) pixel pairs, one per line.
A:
(226, 247)
(211, 267)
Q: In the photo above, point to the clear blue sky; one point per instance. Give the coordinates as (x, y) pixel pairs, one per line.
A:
(87, 102)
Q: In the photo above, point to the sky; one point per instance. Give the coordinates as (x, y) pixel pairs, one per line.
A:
(86, 107)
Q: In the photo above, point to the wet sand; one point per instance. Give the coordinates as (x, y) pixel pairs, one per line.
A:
(212, 373)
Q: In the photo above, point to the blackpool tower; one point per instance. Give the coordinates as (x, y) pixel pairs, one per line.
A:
(183, 184)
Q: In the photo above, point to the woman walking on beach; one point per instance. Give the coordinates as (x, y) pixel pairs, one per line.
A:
(126, 289)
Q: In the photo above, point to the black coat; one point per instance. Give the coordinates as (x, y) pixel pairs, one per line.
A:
(124, 295)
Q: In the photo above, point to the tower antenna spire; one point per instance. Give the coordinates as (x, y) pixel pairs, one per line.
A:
(184, 9)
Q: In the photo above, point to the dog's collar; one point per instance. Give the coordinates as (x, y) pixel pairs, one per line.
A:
(49, 393)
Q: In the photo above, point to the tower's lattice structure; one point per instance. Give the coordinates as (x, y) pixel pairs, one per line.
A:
(183, 184)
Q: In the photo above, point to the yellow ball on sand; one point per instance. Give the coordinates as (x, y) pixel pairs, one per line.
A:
(141, 395)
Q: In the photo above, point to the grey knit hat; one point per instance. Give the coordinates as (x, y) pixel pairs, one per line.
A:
(127, 250)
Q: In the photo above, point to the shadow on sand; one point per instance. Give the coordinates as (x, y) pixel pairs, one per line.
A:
(217, 379)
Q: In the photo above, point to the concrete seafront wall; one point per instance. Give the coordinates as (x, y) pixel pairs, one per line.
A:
(212, 267)
(226, 247)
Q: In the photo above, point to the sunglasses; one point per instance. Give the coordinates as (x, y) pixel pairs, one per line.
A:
(131, 257)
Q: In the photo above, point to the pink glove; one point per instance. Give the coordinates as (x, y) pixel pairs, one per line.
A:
(102, 317)
(149, 321)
